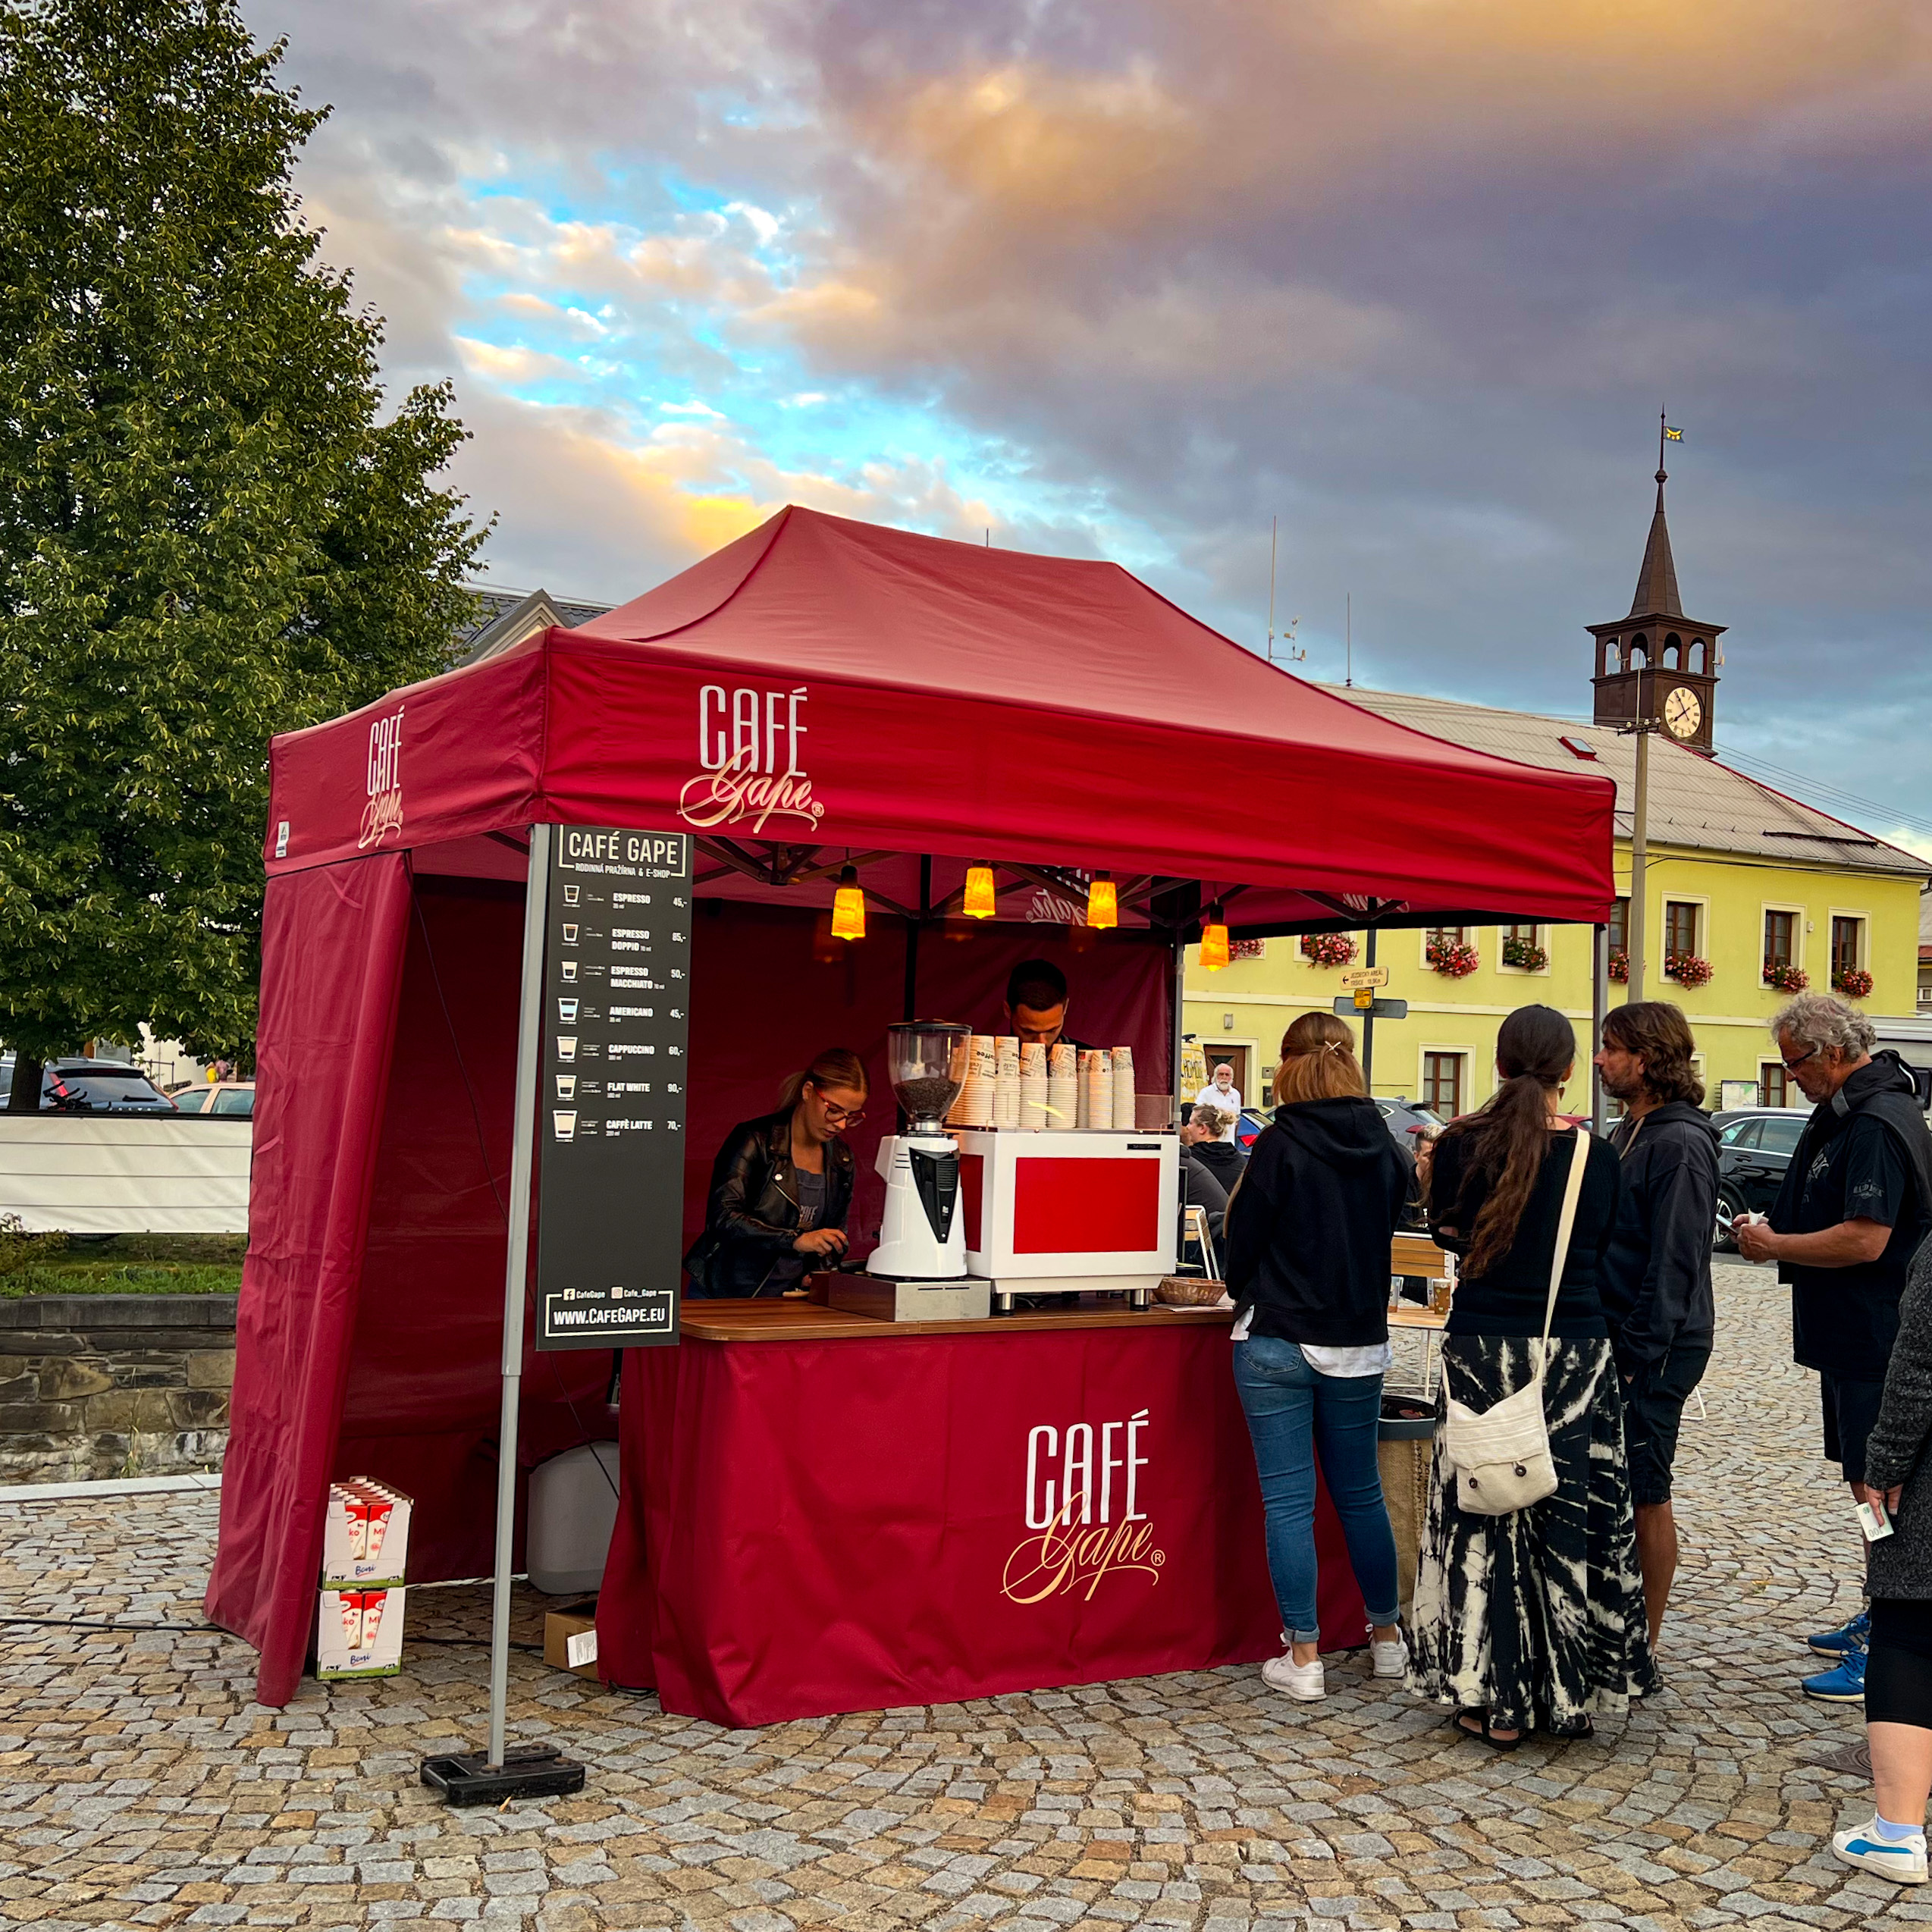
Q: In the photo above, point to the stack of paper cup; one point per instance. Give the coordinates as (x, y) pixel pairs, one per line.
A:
(975, 1106)
(1033, 1086)
(1123, 1088)
(1099, 1091)
(1062, 1086)
(1083, 1066)
(1006, 1081)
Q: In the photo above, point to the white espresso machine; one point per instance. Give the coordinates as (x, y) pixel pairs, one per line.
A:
(917, 1272)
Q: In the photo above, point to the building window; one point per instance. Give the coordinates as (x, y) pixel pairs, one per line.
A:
(1679, 927)
(1780, 940)
(1447, 934)
(1522, 949)
(1620, 925)
(1442, 1083)
(1848, 937)
(1774, 1084)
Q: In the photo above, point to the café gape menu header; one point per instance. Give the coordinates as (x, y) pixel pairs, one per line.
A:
(611, 1115)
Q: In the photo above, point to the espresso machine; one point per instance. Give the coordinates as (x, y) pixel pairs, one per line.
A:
(917, 1272)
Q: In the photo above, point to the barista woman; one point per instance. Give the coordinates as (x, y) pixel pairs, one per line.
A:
(782, 1185)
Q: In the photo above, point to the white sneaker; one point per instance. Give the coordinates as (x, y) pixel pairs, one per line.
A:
(1391, 1659)
(1305, 1683)
(1902, 1862)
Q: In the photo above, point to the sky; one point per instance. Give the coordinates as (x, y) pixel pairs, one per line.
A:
(1138, 280)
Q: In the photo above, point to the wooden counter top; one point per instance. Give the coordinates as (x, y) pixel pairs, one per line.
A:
(809, 1321)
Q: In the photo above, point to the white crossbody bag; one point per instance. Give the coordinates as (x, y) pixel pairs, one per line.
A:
(1501, 1456)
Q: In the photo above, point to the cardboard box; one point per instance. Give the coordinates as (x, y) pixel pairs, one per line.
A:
(570, 1639)
(365, 1538)
(359, 1633)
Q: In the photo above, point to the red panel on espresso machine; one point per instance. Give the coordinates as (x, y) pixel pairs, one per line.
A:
(972, 1194)
(1085, 1206)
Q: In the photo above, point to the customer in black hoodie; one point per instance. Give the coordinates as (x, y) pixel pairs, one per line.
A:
(1308, 1236)
(1655, 1281)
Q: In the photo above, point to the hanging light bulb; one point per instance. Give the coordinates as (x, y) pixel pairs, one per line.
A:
(980, 902)
(1214, 938)
(1102, 901)
(848, 907)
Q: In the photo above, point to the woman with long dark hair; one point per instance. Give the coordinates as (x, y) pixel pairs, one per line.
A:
(1535, 1618)
(1308, 1232)
(782, 1185)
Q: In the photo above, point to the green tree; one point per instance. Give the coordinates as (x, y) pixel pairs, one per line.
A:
(210, 529)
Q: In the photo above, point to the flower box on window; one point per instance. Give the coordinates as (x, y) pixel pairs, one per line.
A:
(1619, 966)
(1785, 978)
(1525, 954)
(1247, 949)
(1454, 959)
(1327, 949)
(1854, 982)
(1687, 969)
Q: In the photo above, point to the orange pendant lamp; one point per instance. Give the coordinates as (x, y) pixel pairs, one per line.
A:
(1214, 938)
(848, 907)
(1102, 901)
(981, 901)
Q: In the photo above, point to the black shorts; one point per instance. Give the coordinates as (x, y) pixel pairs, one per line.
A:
(1850, 1409)
(1898, 1664)
(1653, 1410)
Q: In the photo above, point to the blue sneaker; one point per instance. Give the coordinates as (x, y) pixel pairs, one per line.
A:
(1845, 1684)
(1840, 1642)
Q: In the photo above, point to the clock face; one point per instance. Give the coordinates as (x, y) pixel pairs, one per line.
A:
(1682, 713)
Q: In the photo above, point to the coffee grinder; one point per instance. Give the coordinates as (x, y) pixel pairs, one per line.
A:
(923, 1236)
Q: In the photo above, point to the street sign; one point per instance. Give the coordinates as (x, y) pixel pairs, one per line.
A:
(1378, 1009)
(616, 1080)
(1356, 977)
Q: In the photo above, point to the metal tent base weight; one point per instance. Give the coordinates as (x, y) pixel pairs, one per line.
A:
(530, 1771)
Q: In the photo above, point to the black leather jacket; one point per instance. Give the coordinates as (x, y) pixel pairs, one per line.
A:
(751, 1219)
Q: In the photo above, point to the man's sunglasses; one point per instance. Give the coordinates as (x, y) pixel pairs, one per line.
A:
(1791, 1066)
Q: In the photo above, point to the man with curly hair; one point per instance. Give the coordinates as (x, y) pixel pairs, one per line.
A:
(1655, 1279)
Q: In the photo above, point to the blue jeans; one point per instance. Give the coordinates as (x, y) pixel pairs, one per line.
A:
(1296, 1414)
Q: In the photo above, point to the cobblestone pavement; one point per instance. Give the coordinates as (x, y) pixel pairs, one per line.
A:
(140, 1786)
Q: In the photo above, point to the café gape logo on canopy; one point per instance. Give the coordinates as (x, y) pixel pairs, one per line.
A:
(382, 816)
(1083, 1501)
(742, 735)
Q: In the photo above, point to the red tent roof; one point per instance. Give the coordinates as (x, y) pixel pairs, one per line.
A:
(826, 683)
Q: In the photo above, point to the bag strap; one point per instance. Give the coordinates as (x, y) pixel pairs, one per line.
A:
(1572, 1193)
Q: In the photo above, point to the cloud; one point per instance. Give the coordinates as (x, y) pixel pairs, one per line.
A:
(1413, 276)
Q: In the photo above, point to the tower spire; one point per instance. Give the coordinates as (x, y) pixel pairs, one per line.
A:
(1657, 580)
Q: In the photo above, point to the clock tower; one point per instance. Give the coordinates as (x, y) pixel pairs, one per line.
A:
(1657, 667)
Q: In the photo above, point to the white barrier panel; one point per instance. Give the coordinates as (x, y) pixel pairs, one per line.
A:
(126, 1173)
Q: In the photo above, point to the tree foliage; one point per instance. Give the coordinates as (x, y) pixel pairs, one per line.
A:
(210, 530)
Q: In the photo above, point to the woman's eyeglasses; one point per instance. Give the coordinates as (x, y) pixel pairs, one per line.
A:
(837, 1116)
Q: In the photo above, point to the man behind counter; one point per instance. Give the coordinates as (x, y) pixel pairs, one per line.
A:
(1035, 1008)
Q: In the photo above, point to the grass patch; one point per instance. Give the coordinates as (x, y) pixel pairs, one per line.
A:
(124, 1265)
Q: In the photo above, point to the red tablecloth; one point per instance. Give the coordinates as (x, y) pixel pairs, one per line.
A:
(816, 1526)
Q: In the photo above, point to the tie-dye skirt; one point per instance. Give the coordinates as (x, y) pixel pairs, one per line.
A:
(1538, 1616)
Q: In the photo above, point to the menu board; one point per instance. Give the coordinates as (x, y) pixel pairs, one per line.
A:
(611, 1112)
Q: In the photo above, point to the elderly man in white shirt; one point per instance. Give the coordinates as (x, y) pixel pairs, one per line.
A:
(1222, 1092)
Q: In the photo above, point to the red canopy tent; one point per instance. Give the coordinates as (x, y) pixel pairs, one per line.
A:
(818, 687)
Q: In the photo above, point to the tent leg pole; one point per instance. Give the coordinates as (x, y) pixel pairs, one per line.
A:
(1599, 1010)
(1174, 1031)
(529, 1040)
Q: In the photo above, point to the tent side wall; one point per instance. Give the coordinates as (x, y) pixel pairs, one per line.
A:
(333, 943)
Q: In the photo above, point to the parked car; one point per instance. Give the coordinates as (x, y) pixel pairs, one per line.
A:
(235, 1097)
(1755, 1146)
(90, 1086)
(1400, 1117)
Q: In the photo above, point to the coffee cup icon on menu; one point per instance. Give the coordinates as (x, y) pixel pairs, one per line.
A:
(566, 1047)
(566, 1011)
(570, 895)
(569, 935)
(567, 1086)
(566, 1124)
(569, 972)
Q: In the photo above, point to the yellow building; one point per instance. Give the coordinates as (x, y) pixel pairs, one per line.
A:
(1743, 887)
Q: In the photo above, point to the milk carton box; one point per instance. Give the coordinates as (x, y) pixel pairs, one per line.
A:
(366, 1537)
(359, 1633)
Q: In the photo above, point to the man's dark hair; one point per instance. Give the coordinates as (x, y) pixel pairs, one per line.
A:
(1036, 984)
(1660, 1033)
